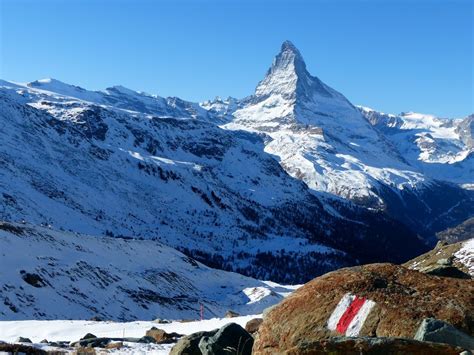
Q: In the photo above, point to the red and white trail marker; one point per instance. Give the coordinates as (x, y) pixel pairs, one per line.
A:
(350, 314)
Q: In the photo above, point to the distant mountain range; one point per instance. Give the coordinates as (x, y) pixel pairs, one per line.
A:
(285, 184)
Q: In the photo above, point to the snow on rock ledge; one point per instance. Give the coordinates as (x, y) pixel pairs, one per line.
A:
(465, 255)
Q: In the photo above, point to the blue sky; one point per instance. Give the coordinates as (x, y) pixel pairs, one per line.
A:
(391, 55)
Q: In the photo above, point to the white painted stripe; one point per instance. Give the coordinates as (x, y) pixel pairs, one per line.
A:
(356, 324)
(341, 307)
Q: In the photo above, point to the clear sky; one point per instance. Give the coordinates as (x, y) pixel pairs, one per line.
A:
(390, 55)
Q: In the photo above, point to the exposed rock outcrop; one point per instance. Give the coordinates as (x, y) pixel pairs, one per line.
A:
(23, 340)
(231, 314)
(162, 337)
(230, 339)
(189, 344)
(376, 300)
(6, 348)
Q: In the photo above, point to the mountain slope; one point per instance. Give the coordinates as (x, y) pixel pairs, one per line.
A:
(456, 234)
(72, 276)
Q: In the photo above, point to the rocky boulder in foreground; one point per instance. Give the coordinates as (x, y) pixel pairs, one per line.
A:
(376, 300)
(230, 339)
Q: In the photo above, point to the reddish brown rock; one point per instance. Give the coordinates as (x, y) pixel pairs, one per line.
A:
(253, 325)
(403, 298)
(84, 351)
(162, 337)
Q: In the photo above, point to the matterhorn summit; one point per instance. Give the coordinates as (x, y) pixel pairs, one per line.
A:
(314, 129)
(287, 75)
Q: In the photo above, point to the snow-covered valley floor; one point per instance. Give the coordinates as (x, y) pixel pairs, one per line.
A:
(72, 330)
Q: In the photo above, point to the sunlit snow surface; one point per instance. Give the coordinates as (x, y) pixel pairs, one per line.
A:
(465, 255)
(82, 276)
(72, 330)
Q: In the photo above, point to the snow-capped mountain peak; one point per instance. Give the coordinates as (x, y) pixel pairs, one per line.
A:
(321, 138)
(289, 59)
(289, 96)
(289, 78)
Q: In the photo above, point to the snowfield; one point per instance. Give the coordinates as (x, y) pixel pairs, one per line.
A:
(47, 274)
(465, 255)
(72, 330)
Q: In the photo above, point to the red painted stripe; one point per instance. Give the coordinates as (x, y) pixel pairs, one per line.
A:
(349, 315)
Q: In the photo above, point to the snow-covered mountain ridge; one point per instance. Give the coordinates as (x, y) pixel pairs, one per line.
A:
(440, 148)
